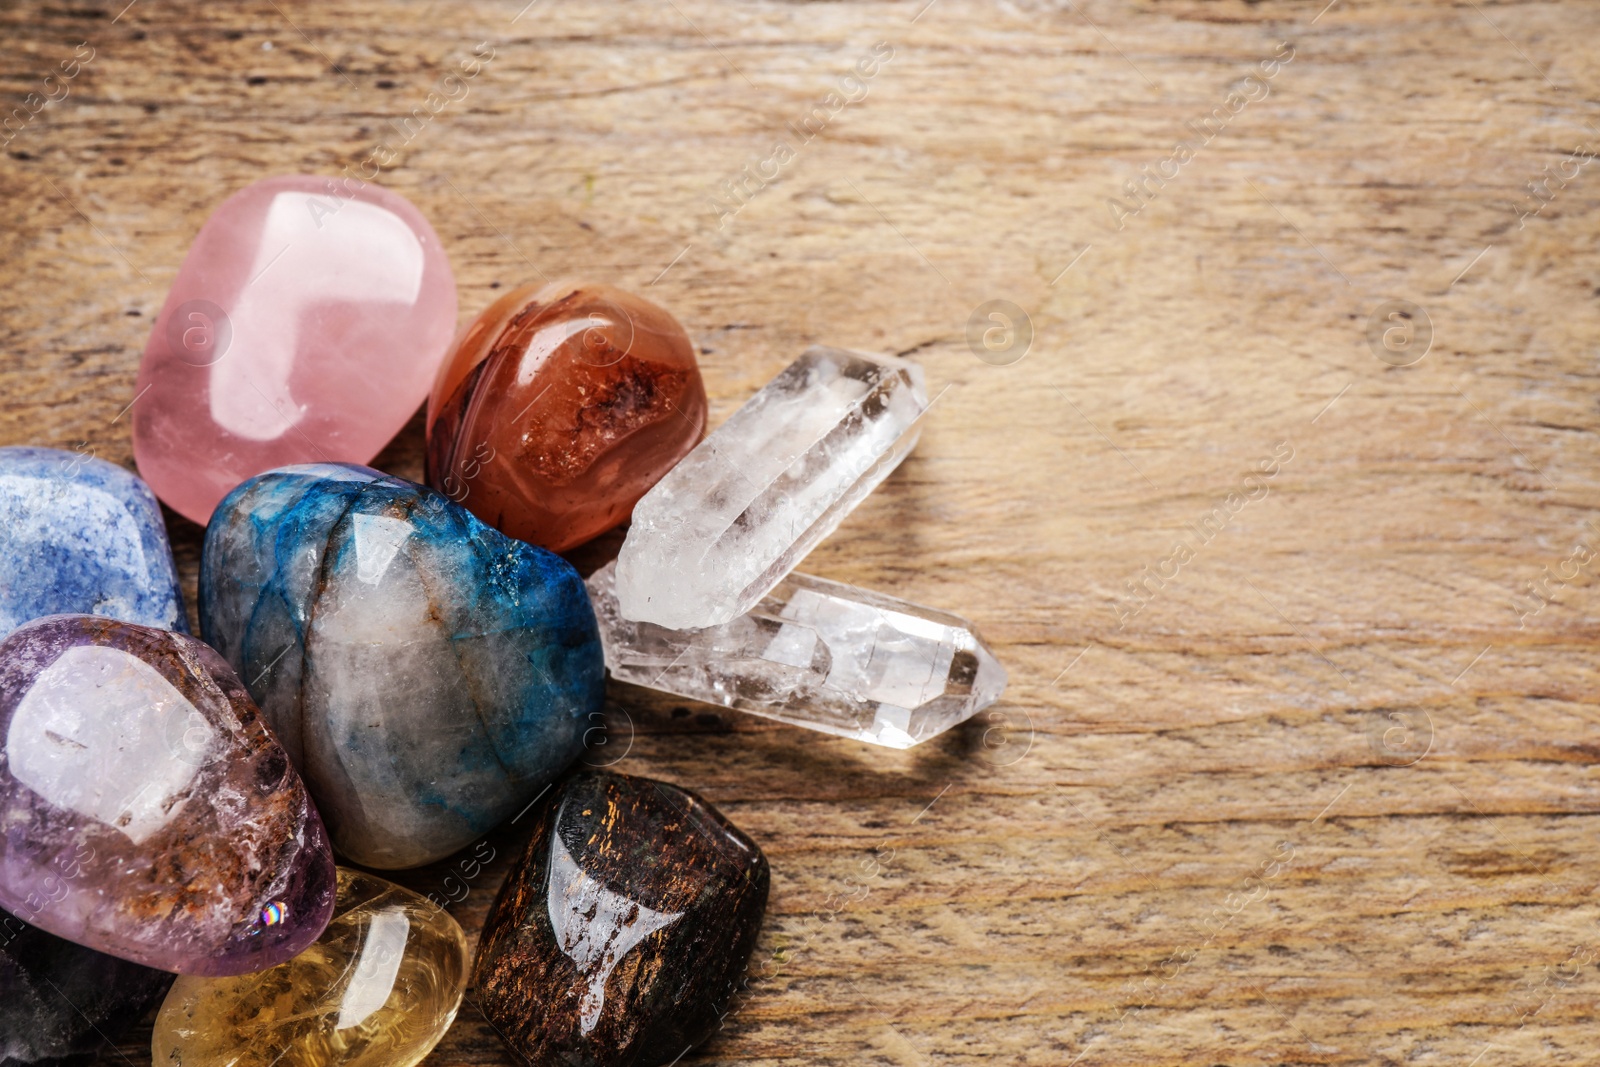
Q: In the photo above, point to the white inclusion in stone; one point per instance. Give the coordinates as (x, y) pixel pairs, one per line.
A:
(818, 654)
(103, 734)
(384, 668)
(729, 521)
(382, 951)
(594, 926)
(377, 539)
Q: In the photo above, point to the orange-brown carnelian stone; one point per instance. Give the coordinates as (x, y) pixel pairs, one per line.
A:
(560, 407)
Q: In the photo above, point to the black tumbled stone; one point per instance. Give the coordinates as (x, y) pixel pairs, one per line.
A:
(60, 1003)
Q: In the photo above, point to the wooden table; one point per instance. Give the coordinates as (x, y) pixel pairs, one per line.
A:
(1314, 788)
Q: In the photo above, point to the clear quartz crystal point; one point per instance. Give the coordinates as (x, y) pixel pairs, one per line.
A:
(817, 654)
(737, 513)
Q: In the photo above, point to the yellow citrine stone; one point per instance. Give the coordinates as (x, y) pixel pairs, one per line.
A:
(379, 988)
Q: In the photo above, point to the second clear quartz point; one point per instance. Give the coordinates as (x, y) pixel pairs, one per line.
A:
(817, 654)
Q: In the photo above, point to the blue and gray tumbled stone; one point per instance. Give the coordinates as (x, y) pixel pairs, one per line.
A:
(428, 675)
(79, 535)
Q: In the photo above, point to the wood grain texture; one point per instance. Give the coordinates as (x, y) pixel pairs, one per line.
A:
(1327, 796)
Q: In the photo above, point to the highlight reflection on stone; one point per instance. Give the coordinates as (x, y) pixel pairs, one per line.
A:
(148, 812)
(726, 524)
(379, 988)
(307, 322)
(427, 674)
(78, 534)
(560, 407)
(60, 1003)
(818, 654)
(619, 936)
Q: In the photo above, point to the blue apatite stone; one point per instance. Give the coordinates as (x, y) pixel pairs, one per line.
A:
(428, 675)
(79, 535)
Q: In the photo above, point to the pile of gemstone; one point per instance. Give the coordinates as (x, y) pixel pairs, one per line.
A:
(387, 671)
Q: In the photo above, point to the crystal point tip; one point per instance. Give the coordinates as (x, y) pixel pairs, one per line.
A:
(729, 521)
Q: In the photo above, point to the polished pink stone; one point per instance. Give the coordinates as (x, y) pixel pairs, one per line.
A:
(306, 324)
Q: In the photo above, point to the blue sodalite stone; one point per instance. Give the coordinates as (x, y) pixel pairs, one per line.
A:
(428, 675)
(79, 535)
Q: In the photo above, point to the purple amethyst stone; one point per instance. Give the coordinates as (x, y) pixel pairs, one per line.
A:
(146, 811)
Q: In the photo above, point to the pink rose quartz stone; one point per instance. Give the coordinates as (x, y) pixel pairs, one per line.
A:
(306, 325)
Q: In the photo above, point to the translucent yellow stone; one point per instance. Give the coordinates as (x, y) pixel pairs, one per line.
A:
(379, 988)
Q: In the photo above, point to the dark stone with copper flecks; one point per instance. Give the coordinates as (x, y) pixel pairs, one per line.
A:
(621, 933)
